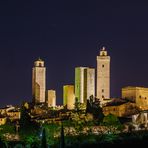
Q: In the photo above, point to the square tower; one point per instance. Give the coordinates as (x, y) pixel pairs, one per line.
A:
(84, 83)
(103, 75)
(51, 98)
(38, 81)
(68, 96)
(90, 82)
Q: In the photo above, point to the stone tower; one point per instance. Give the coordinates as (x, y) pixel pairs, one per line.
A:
(103, 75)
(68, 96)
(51, 98)
(84, 83)
(38, 81)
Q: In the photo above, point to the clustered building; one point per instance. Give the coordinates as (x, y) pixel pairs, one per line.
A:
(89, 83)
(83, 88)
(9, 112)
(39, 92)
(139, 95)
(86, 78)
(134, 100)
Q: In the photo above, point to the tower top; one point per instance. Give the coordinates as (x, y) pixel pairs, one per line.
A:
(39, 63)
(103, 48)
(103, 52)
(39, 59)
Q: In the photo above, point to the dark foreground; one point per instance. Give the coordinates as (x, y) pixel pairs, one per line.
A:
(136, 139)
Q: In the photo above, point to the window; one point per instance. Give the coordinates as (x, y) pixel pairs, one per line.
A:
(103, 53)
(102, 66)
(145, 98)
(139, 96)
(102, 96)
(102, 90)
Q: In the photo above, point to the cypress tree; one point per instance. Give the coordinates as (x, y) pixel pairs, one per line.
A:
(62, 141)
(25, 118)
(2, 144)
(44, 141)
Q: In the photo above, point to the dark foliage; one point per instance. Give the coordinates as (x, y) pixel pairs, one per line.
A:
(25, 118)
(93, 107)
(44, 141)
(26, 124)
(2, 144)
(62, 140)
(77, 104)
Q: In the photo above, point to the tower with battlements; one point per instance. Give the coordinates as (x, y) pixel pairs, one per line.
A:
(38, 81)
(103, 75)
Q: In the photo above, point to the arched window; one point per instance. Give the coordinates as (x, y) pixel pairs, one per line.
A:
(40, 64)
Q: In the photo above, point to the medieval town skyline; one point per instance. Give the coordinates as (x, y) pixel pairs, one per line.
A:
(69, 35)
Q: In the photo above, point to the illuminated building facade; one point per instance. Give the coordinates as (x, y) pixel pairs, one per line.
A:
(121, 110)
(68, 96)
(84, 83)
(38, 81)
(103, 76)
(3, 120)
(139, 95)
(51, 98)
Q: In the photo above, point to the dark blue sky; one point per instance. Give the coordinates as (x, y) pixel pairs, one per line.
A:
(67, 34)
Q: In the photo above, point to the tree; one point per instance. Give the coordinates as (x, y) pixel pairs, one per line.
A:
(89, 104)
(93, 107)
(77, 104)
(91, 98)
(88, 117)
(2, 144)
(25, 118)
(112, 122)
(44, 141)
(6, 128)
(27, 126)
(62, 140)
(88, 107)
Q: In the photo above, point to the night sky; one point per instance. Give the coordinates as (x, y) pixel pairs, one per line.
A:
(66, 34)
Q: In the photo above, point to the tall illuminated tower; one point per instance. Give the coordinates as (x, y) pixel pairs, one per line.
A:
(38, 81)
(103, 75)
(84, 83)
